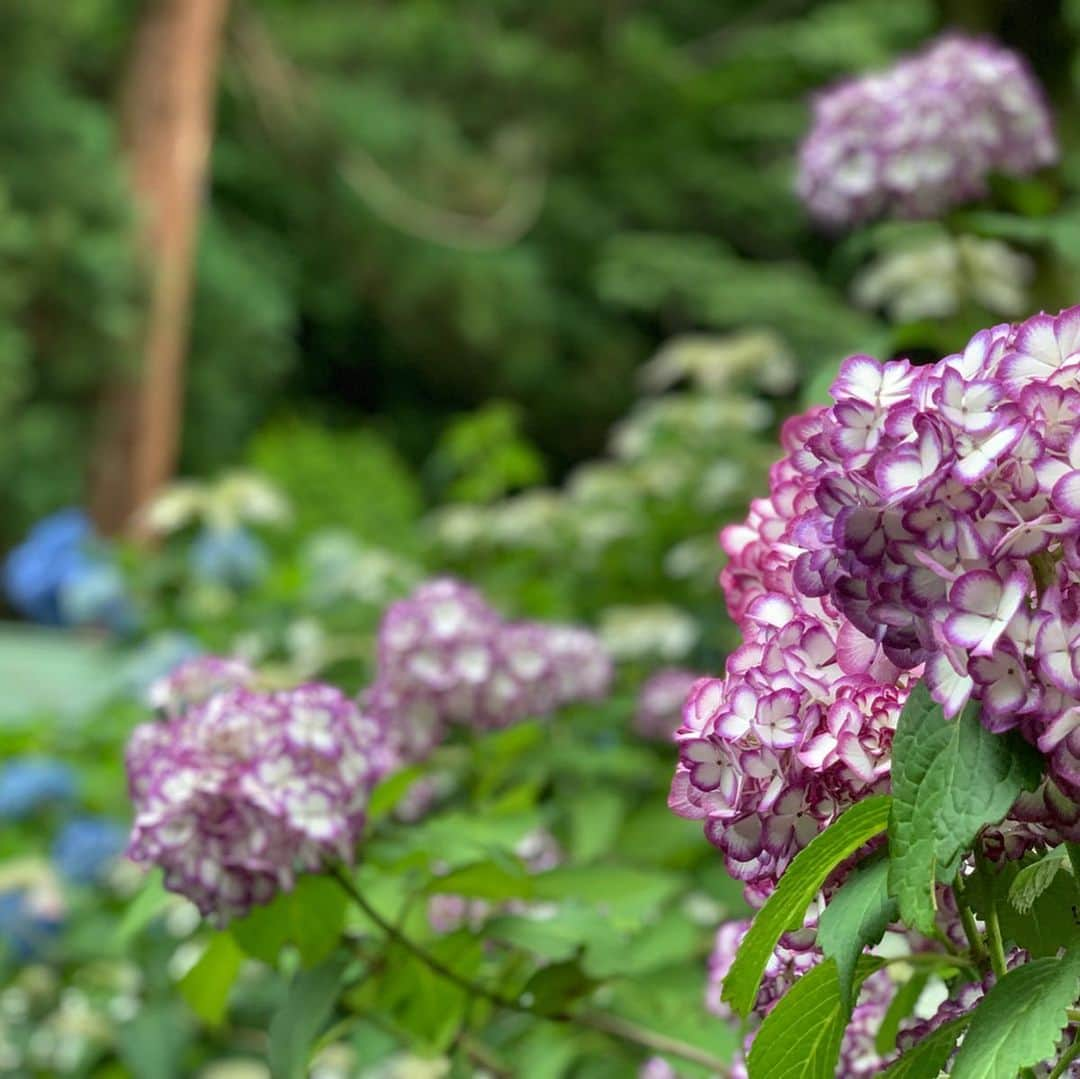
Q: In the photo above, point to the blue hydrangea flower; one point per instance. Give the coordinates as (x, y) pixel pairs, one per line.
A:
(86, 846)
(55, 576)
(231, 557)
(25, 932)
(54, 550)
(29, 783)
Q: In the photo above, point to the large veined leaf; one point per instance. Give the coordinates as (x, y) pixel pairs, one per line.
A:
(855, 918)
(949, 778)
(1018, 1023)
(798, 886)
(800, 1038)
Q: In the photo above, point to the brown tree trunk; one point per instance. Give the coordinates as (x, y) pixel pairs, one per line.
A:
(167, 124)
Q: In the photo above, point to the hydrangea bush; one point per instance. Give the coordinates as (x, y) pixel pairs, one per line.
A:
(924, 135)
(893, 747)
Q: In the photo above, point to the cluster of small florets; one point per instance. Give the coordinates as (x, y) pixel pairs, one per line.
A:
(945, 524)
(801, 725)
(446, 656)
(236, 795)
(925, 134)
(660, 703)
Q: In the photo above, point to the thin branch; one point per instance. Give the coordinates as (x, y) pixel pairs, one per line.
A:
(612, 1025)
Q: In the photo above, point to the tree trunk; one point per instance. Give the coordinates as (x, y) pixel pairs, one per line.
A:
(167, 126)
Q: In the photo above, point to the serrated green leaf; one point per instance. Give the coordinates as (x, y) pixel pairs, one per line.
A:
(855, 918)
(900, 1007)
(798, 886)
(1018, 1023)
(206, 986)
(1034, 879)
(927, 1059)
(949, 778)
(800, 1038)
(1045, 927)
(301, 1017)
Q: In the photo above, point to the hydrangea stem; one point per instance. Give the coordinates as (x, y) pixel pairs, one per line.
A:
(967, 920)
(1066, 1058)
(993, 925)
(612, 1025)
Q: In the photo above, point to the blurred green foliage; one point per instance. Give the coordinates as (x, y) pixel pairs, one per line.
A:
(415, 207)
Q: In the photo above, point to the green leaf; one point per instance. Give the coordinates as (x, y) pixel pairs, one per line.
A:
(311, 917)
(150, 901)
(949, 778)
(900, 1007)
(301, 1017)
(485, 880)
(1018, 1023)
(927, 1059)
(798, 886)
(800, 1038)
(1049, 923)
(596, 815)
(153, 1043)
(1034, 879)
(206, 986)
(388, 793)
(554, 988)
(856, 918)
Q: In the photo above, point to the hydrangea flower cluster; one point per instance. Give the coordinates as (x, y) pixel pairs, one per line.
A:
(446, 656)
(925, 134)
(236, 795)
(801, 726)
(660, 702)
(945, 524)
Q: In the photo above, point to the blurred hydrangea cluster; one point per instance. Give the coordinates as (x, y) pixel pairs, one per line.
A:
(446, 656)
(62, 574)
(660, 703)
(924, 135)
(926, 273)
(237, 790)
(236, 795)
(224, 552)
(690, 450)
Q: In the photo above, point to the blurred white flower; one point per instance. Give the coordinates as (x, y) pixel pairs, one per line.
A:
(649, 631)
(237, 497)
(715, 363)
(235, 1068)
(932, 275)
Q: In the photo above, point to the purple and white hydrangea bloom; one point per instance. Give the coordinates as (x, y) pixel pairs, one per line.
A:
(446, 656)
(924, 135)
(236, 796)
(926, 523)
(946, 526)
(801, 725)
(196, 680)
